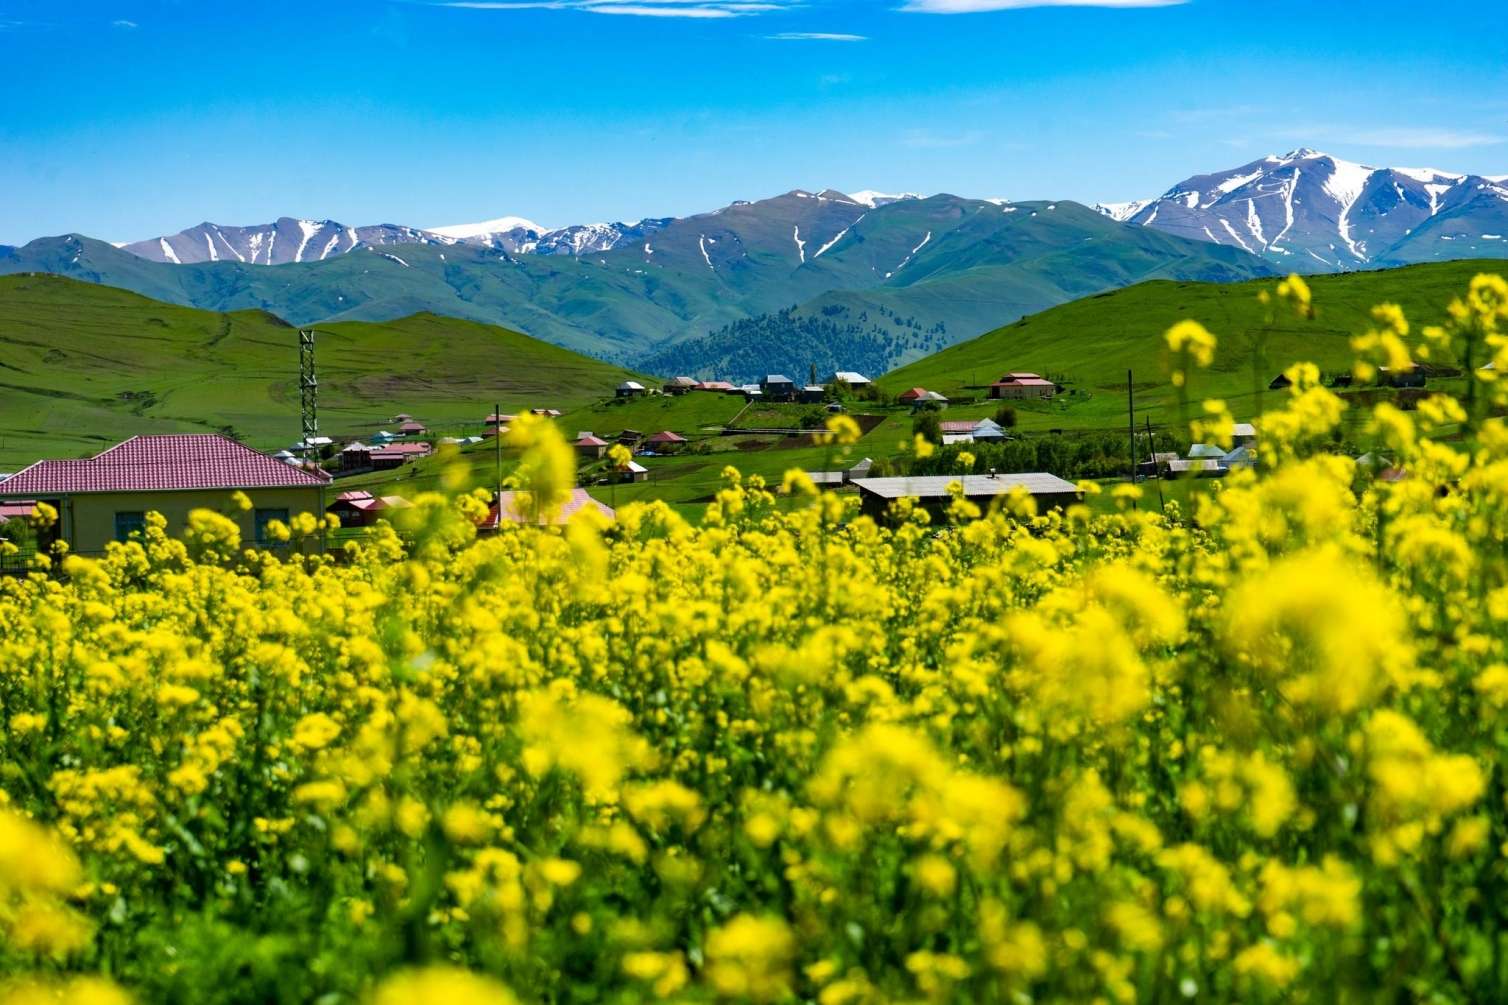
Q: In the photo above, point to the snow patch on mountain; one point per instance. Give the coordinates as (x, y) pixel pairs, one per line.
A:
(1121, 211)
(502, 225)
(874, 200)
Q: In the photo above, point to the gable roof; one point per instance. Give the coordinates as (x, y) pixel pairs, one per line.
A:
(163, 463)
(507, 507)
(666, 436)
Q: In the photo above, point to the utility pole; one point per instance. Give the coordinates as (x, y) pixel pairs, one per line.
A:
(1162, 503)
(308, 390)
(497, 439)
(1131, 423)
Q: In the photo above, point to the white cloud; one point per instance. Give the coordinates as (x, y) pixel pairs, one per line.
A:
(816, 36)
(704, 9)
(123, 23)
(978, 6)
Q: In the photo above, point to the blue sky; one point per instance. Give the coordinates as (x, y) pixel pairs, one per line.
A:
(130, 118)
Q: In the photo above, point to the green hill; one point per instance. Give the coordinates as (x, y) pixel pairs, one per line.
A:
(1089, 344)
(82, 366)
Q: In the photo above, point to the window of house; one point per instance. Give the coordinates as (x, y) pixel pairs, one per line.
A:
(128, 523)
(263, 518)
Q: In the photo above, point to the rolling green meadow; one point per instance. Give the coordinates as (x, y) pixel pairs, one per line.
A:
(83, 366)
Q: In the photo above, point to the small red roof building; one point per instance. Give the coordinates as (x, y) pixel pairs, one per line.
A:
(664, 437)
(913, 395)
(588, 440)
(412, 428)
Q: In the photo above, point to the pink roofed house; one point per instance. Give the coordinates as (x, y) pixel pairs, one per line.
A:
(665, 441)
(514, 508)
(106, 497)
(589, 446)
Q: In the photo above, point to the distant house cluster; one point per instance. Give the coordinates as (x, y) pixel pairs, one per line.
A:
(770, 387)
(1206, 460)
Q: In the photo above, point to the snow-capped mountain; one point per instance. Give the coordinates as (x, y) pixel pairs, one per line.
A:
(1313, 212)
(286, 240)
(295, 240)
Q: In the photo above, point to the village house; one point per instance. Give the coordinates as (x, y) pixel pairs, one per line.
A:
(912, 396)
(402, 417)
(1022, 385)
(107, 497)
(777, 387)
(634, 472)
(665, 442)
(412, 428)
(630, 437)
(511, 507)
(362, 509)
(852, 378)
(931, 491)
(718, 386)
(679, 385)
(835, 479)
(498, 419)
(630, 389)
(811, 394)
(549, 413)
(590, 447)
(356, 456)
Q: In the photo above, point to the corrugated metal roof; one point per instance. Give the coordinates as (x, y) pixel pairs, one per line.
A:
(163, 463)
(936, 486)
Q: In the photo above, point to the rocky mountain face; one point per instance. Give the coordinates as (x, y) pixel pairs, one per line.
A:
(282, 242)
(1312, 212)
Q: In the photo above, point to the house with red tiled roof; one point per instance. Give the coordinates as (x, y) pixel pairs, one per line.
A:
(106, 497)
(589, 446)
(665, 441)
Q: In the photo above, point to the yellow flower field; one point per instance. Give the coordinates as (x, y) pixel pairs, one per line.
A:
(1249, 753)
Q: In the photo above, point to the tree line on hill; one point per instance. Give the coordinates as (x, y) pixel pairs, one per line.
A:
(792, 343)
(1071, 456)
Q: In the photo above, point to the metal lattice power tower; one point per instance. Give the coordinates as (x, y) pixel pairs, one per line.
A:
(308, 389)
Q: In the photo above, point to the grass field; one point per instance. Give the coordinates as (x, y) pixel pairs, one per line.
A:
(83, 366)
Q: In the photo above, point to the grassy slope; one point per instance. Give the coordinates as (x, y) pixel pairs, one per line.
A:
(82, 366)
(1091, 343)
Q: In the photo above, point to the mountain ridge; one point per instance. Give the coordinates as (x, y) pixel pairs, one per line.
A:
(1313, 212)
